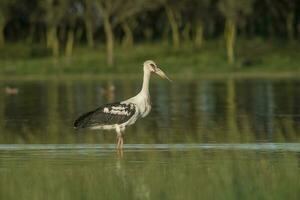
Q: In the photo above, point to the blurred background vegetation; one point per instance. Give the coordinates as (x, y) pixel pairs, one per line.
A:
(186, 36)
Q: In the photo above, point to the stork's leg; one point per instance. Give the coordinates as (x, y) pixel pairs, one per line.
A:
(120, 141)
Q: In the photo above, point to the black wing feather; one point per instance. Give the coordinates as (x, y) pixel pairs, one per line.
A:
(99, 117)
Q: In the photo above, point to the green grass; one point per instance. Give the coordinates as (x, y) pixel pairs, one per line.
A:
(149, 175)
(252, 56)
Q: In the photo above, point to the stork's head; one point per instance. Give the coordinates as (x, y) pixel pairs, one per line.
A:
(150, 66)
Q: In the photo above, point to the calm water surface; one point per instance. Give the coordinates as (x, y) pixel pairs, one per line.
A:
(204, 139)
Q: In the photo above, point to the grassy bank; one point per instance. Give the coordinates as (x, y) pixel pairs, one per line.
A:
(252, 56)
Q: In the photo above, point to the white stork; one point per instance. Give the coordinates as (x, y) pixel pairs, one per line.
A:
(116, 116)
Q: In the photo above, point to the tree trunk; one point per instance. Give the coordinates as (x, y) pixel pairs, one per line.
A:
(270, 28)
(165, 34)
(49, 37)
(174, 27)
(2, 27)
(109, 41)
(70, 43)
(55, 47)
(52, 40)
(199, 35)
(298, 30)
(32, 30)
(290, 27)
(186, 32)
(230, 33)
(128, 36)
(2, 37)
(251, 31)
(89, 33)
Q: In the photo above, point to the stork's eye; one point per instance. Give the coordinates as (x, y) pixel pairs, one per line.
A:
(153, 67)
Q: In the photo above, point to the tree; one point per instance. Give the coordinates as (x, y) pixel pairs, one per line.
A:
(107, 9)
(173, 11)
(89, 15)
(127, 26)
(137, 18)
(114, 12)
(191, 13)
(72, 12)
(51, 18)
(4, 14)
(289, 11)
(198, 13)
(233, 10)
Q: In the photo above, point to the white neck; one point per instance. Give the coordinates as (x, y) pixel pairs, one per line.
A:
(146, 79)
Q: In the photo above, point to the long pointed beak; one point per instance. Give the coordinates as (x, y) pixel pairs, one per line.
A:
(162, 74)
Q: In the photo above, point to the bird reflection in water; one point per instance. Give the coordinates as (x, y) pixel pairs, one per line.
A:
(120, 152)
(139, 186)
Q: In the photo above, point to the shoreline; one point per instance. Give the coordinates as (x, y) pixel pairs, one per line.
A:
(177, 76)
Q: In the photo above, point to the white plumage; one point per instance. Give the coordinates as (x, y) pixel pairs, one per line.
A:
(117, 116)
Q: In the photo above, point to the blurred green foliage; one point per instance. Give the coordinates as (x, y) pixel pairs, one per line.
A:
(110, 30)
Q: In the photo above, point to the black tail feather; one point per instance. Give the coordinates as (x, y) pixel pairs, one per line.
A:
(81, 121)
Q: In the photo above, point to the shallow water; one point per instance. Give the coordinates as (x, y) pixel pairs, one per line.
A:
(208, 139)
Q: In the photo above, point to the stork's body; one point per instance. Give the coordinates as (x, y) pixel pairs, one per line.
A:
(117, 116)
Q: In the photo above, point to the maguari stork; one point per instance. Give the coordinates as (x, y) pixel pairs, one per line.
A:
(117, 116)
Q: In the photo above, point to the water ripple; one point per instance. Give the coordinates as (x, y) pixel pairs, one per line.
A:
(294, 147)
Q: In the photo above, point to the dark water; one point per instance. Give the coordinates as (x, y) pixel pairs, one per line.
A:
(211, 139)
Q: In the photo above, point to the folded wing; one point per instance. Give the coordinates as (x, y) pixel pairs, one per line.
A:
(109, 114)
